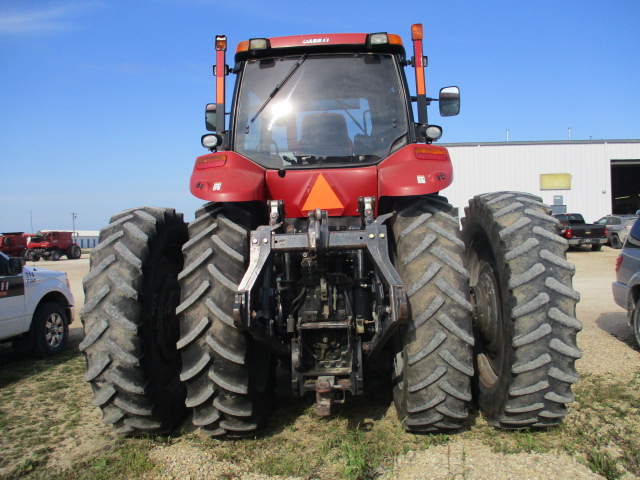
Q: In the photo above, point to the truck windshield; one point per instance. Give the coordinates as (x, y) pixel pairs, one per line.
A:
(334, 110)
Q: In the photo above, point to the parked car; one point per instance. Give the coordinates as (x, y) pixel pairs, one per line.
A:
(579, 233)
(626, 288)
(619, 226)
(35, 307)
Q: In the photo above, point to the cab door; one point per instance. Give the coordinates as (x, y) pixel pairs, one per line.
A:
(12, 301)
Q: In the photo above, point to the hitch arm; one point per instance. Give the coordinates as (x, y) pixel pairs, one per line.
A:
(373, 239)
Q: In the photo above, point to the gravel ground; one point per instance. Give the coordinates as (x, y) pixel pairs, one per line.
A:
(608, 350)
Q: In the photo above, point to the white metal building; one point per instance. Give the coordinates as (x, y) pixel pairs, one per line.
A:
(592, 177)
(86, 238)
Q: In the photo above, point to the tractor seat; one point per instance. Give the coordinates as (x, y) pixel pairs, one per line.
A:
(324, 135)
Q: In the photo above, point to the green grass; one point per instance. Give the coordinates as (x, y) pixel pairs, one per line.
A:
(45, 407)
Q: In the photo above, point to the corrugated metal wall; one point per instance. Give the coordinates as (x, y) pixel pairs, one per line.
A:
(481, 168)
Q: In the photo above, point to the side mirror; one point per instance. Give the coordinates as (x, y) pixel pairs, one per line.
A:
(210, 117)
(449, 101)
(15, 266)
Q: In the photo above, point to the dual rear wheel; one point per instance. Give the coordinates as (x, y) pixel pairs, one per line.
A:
(492, 317)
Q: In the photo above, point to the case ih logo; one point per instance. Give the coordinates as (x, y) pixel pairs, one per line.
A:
(316, 40)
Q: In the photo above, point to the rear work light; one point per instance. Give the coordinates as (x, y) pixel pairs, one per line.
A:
(383, 38)
(259, 44)
(433, 132)
(378, 39)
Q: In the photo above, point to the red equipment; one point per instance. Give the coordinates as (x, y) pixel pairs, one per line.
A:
(51, 245)
(14, 244)
(325, 246)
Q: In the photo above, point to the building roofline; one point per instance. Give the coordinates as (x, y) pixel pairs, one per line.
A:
(539, 142)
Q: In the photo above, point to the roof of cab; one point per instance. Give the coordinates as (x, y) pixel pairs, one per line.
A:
(329, 42)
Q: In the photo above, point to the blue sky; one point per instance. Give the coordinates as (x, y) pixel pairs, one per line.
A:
(102, 102)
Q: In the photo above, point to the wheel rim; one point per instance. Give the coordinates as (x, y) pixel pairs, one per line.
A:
(54, 330)
(615, 242)
(488, 326)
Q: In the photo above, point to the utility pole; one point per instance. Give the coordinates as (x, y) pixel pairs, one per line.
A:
(73, 217)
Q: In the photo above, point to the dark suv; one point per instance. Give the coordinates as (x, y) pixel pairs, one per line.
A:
(626, 288)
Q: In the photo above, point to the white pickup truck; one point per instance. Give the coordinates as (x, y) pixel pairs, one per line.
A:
(35, 307)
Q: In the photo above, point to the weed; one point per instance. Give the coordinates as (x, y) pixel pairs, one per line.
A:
(600, 462)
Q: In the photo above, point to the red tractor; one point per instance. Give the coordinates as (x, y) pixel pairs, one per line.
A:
(51, 245)
(325, 245)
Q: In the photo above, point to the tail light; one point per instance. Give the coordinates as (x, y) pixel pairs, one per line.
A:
(606, 232)
(618, 263)
(568, 233)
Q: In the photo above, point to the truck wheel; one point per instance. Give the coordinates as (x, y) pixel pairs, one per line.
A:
(615, 242)
(229, 376)
(55, 255)
(524, 322)
(73, 252)
(50, 329)
(130, 324)
(596, 248)
(433, 359)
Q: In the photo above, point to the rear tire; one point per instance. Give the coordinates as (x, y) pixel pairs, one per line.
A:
(130, 323)
(615, 242)
(55, 255)
(524, 322)
(433, 360)
(596, 248)
(229, 376)
(73, 252)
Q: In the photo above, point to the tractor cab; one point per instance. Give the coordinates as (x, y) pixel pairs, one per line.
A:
(329, 109)
(325, 103)
(324, 100)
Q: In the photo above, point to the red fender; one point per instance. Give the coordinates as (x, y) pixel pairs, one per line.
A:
(416, 169)
(227, 177)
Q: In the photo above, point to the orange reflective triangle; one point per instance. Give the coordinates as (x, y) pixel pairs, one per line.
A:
(322, 196)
